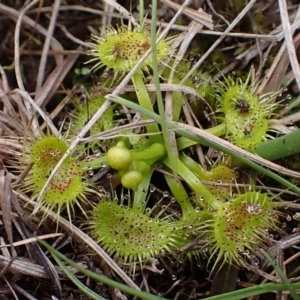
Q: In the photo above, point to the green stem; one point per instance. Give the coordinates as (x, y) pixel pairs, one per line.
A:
(140, 196)
(184, 143)
(141, 7)
(193, 166)
(180, 195)
(95, 163)
(150, 155)
(145, 101)
(194, 182)
(177, 105)
(155, 151)
(160, 104)
(218, 130)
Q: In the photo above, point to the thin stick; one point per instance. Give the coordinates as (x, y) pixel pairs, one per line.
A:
(43, 61)
(219, 40)
(34, 123)
(289, 40)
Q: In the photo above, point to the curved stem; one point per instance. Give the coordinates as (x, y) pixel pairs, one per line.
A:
(218, 130)
(193, 166)
(140, 196)
(155, 151)
(180, 195)
(194, 182)
(145, 101)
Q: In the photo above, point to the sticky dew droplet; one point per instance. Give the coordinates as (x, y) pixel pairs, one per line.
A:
(97, 153)
(283, 225)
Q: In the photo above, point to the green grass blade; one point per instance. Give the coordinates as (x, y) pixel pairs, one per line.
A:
(122, 287)
(253, 291)
(285, 280)
(78, 283)
(160, 103)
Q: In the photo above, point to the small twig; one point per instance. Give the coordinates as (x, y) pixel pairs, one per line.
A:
(34, 122)
(43, 61)
(219, 40)
(199, 16)
(215, 13)
(30, 101)
(54, 79)
(72, 37)
(289, 40)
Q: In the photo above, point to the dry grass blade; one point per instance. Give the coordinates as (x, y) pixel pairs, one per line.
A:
(38, 254)
(33, 239)
(289, 40)
(219, 40)
(30, 101)
(5, 203)
(34, 123)
(20, 290)
(43, 61)
(273, 79)
(199, 16)
(23, 266)
(4, 98)
(44, 94)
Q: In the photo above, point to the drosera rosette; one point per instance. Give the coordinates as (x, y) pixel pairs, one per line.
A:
(132, 233)
(120, 49)
(84, 110)
(239, 226)
(246, 114)
(68, 187)
(228, 228)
